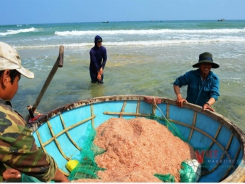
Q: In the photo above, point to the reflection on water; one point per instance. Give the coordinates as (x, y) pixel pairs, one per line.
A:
(96, 90)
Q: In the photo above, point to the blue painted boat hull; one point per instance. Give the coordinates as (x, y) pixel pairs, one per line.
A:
(58, 132)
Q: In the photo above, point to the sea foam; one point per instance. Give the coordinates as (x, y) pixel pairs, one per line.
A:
(12, 32)
(148, 32)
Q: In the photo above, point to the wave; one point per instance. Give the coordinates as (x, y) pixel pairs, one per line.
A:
(137, 43)
(148, 31)
(11, 32)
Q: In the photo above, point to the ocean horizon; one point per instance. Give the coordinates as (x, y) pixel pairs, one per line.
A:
(113, 21)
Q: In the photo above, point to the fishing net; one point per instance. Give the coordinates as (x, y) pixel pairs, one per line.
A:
(190, 172)
(87, 167)
(190, 169)
(168, 178)
(29, 179)
(171, 127)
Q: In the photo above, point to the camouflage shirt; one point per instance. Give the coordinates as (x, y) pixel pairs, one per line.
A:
(18, 149)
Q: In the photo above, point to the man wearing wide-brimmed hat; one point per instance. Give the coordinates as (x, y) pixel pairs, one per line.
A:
(203, 84)
(17, 145)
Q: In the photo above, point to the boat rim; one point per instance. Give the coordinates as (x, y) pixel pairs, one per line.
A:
(239, 173)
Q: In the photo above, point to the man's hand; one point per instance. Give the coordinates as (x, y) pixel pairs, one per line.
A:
(99, 77)
(101, 71)
(180, 101)
(207, 106)
(11, 174)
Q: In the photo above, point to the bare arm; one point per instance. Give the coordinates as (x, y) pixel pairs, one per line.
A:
(13, 173)
(180, 100)
(208, 104)
(60, 177)
(213, 96)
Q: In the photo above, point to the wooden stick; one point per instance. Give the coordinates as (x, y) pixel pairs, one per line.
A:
(125, 113)
(58, 63)
(69, 128)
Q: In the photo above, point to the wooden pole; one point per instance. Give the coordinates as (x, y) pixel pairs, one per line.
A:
(57, 64)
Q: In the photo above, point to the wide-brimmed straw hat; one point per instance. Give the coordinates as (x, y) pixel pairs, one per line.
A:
(206, 57)
(10, 60)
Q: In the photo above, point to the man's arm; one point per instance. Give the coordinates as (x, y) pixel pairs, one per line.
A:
(214, 94)
(180, 100)
(60, 177)
(93, 60)
(180, 81)
(100, 72)
(208, 104)
(104, 58)
(19, 151)
(14, 174)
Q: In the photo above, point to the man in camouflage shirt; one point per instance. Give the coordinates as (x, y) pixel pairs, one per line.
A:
(18, 151)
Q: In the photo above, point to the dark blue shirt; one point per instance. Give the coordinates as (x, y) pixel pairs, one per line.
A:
(199, 91)
(98, 57)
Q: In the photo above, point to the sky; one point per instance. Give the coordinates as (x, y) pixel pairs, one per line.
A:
(67, 11)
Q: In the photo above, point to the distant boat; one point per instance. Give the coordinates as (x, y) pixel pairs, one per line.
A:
(221, 20)
(106, 22)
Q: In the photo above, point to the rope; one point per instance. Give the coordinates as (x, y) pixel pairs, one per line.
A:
(170, 125)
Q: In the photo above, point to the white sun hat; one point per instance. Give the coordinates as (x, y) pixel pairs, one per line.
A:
(10, 60)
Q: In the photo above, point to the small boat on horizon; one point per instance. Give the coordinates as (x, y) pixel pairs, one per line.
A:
(106, 22)
(221, 20)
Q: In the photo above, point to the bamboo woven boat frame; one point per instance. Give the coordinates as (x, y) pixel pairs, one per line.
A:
(237, 176)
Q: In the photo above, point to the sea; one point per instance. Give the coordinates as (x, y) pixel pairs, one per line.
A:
(144, 58)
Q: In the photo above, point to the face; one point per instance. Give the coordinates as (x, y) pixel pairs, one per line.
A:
(11, 89)
(205, 68)
(99, 44)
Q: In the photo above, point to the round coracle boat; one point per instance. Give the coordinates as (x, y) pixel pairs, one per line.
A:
(213, 136)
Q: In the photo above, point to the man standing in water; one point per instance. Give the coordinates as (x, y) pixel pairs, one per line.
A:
(203, 84)
(17, 145)
(98, 59)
